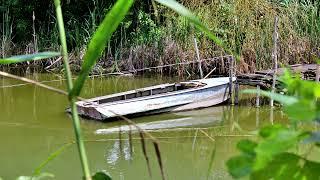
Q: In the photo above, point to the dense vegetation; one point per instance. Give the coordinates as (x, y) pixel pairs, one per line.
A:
(152, 35)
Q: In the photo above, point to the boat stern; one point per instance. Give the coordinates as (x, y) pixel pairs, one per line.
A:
(89, 110)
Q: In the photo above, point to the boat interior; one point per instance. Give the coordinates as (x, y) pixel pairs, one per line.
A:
(151, 91)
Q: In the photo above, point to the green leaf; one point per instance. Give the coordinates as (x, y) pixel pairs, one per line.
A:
(98, 42)
(183, 11)
(102, 175)
(310, 170)
(314, 137)
(268, 131)
(39, 177)
(288, 166)
(278, 141)
(300, 88)
(240, 166)
(247, 147)
(302, 110)
(284, 166)
(284, 99)
(29, 57)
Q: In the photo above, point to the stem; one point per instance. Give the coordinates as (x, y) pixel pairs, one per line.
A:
(274, 57)
(79, 139)
(74, 111)
(63, 41)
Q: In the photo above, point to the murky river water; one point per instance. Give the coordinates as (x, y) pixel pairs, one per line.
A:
(33, 124)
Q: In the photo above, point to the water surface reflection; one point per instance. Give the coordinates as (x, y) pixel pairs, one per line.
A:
(33, 124)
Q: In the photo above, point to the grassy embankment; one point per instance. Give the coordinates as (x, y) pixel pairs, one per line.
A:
(152, 36)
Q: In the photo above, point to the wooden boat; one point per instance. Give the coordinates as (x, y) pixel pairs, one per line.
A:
(157, 99)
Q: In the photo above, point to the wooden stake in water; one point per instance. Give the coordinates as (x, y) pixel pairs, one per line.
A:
(271, 115)
(258, 97)
(231, 63)
(257, 117)
(236, 93)
(274, 56)
(318, 73)
(198, 57)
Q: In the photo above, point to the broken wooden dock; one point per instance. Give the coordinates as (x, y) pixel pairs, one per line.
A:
(264, 78)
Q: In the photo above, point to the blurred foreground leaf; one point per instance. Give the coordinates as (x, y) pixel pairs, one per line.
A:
(39, 177)
(102, 175)
(29, 57)
(240, 166)
(283, 99)
(257, 158)
(278, 140)
(247, 147)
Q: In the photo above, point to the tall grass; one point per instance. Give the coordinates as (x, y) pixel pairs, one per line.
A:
(6, 36)
(153, 35)
(248, 26)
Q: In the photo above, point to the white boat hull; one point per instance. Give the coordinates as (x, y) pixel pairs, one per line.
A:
(214, 92)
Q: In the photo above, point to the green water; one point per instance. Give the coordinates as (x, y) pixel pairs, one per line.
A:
(33, 124)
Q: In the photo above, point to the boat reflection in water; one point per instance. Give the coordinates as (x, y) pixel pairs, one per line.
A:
(201, 118)
(197, 118)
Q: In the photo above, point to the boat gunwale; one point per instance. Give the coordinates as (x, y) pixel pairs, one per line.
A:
(206, 86)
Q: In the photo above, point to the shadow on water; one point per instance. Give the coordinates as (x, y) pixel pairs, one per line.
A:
(33, 124)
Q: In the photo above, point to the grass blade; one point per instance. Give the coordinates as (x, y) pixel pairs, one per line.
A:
(158, 153)
(4, 74)
(99, 39)
(52, 156)
(120, 140)
(183, 11)
(144, 150)
(212, 157)
(130, 141)
(73, 106)
(29, 57)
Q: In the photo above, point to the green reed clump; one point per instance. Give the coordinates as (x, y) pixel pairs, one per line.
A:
(248, 26)
(160, 36)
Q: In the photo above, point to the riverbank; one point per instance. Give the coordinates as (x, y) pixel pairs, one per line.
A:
(152, 35)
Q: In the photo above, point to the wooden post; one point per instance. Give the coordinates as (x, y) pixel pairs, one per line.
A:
(257, 117)
(198, 57)
(258, 97)
(236, 93)
(237, 84)
(233, 126)
(271, 115)
(274, 57)
(231, 60)
(317, 73)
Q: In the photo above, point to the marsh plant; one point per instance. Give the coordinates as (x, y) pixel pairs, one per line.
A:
(245, 27)
(284, 151)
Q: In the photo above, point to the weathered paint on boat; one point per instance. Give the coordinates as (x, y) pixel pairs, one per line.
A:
(210, 92)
